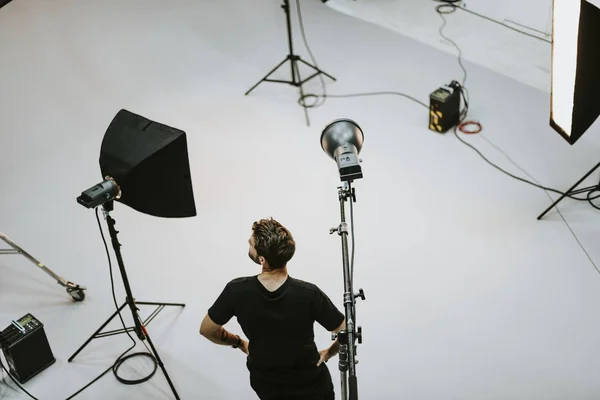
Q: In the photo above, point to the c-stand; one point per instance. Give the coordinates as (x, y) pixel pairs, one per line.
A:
(139, 326)
(293, 59)
(347, 337)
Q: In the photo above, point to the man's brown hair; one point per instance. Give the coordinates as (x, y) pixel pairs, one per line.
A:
(273, 242)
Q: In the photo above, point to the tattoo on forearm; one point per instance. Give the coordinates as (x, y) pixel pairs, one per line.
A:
(224, 336)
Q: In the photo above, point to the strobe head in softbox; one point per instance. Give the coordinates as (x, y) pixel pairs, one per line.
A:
(145, 166)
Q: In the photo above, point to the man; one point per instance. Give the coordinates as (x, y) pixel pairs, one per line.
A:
(277, 314)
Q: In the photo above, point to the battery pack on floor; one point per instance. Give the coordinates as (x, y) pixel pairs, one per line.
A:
(444, 109)
(26, 348)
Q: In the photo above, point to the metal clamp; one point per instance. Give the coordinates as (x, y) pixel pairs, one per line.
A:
(342, 228)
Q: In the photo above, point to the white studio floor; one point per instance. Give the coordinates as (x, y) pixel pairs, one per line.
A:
(469, 296)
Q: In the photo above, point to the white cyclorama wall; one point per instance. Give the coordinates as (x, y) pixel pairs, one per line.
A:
(535, 14)
(595, 2)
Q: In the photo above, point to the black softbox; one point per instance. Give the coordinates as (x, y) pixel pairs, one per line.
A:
(149, 162)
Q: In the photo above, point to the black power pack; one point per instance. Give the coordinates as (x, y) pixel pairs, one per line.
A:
(26, 349)
(444, 108)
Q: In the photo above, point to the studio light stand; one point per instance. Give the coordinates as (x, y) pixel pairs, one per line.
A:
(348, 336)
(145, 165)
(572, 191)
(342, 140)
(296, 80)
(139, 326)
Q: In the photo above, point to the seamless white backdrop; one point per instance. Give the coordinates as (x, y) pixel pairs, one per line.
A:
(523, 58)
(530, 15)
(468, 295)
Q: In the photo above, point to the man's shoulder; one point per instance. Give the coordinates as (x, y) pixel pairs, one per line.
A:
(241, 281)
(241, 284)
(299, 283)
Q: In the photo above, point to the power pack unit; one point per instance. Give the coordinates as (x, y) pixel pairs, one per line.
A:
(444, 108)
(26, 348)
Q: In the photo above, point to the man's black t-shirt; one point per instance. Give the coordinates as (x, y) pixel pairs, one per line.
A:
(279, 327)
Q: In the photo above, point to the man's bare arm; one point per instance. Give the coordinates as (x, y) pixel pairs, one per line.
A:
(216, 333)
(335, 347)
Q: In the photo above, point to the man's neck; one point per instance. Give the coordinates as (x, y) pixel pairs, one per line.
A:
(274, 273)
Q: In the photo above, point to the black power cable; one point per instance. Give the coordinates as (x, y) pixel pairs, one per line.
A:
(465, 111)
(452, 5)
(590, 190)
(302, 100)
(324, 96)
(448, 7)
(15, 381)
(122, 358)
(353, 247)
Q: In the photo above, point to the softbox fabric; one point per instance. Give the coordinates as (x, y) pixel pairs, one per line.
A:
(586, 104)
(149, 161)
(575, 105)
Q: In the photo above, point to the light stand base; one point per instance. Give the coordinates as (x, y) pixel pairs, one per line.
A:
(99, 334)
(572, 191)
(296, 80)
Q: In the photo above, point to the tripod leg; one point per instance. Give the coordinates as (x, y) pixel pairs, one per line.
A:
(151, 303)
(160, 364)
(317, 69)
(97, 332)
(266, 76)
(552, 206)
(568, 191)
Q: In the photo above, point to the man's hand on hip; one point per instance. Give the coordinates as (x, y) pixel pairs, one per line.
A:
(324, 356)
(244, 347)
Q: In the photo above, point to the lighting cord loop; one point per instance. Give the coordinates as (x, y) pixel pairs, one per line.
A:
(122, 358)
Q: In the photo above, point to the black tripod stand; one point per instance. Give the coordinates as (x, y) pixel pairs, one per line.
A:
(572, 191)
(296, 80)
(346, 338)
(139, 327)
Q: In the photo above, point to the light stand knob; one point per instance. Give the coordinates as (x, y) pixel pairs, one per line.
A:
(360, 294)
